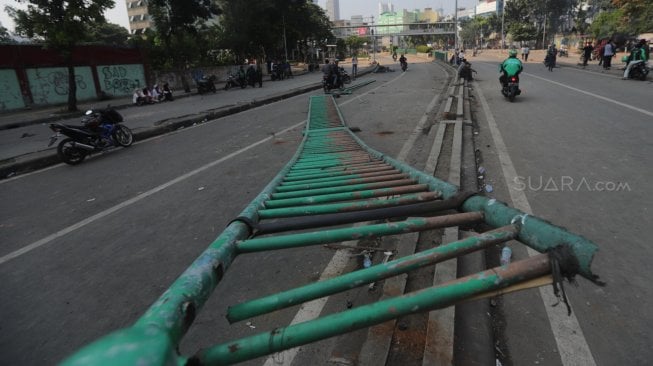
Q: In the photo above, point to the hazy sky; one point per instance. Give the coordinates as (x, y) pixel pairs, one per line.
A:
(366, 8)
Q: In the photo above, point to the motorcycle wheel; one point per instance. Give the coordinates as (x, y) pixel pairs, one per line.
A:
(227, 86)
(123, 136)
(511, 94)
(347, 79)
(70, 154)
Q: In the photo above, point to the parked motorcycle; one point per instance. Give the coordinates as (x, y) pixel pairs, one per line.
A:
(511, 88)
(100, 131)
(234, 80)
(344, 76)
(205, 85)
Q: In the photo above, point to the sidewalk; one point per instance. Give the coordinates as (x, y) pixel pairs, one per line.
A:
(536, 58)
(24, 134)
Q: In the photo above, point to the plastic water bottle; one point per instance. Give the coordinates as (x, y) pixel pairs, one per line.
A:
(506, 253)
(367, 261)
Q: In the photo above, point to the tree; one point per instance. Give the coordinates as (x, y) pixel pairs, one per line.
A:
(61, 24)
(4, 35)
(109, 34)
(177, 24)
(355, 43)
(607, 23)
(637, 15)
(253, 28)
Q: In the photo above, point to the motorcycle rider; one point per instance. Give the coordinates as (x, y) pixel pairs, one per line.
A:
(637, 55)
(402, 60)
(334, 75)
(510, 67)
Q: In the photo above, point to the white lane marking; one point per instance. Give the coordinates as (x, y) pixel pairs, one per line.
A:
(640, 110)
(100, 215)
(572, 345)
(312, 309)
(403, 154)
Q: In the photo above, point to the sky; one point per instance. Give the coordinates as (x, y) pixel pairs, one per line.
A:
(348, 8)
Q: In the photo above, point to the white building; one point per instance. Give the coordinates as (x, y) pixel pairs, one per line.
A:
(386, 8)
(333, 10)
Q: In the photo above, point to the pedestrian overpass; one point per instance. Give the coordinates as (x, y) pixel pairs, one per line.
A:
(400, 29)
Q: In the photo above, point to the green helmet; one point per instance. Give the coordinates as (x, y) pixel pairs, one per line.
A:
(512, 52)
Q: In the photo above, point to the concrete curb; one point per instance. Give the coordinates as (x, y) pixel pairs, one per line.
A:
(42, 159)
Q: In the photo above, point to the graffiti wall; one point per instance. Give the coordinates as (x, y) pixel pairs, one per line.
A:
(50, 85)
(121, 80)
(10, 96)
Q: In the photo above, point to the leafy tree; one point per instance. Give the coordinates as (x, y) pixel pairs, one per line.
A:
(607, 23)
(178, 24)
(637, 15)
(61, 24)
(4, 35)
(355, 43)
(109, 34)
(522, 31)
(253, 28)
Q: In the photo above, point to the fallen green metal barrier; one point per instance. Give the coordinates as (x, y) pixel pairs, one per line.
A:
(327, 183)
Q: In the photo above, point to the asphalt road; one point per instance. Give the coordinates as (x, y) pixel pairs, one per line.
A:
(104, 239)
(578, 153)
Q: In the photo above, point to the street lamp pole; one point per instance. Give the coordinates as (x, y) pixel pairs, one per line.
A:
(373, 41)
(285, 47)
(503, 34)
(455, 14)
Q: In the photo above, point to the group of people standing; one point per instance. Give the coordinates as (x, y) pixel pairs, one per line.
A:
(606, 51)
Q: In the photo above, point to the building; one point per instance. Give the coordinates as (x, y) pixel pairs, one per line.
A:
(139, 18)
(397, 21)
(488, 7)
(430, 16)
(386, 8)
(333, 10)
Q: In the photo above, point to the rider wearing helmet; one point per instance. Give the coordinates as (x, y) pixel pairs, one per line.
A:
(510, 66)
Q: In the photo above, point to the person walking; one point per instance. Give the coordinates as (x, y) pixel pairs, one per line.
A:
(587, 53)
(354, 66)
(550, 59)
(524, 53)
(608, 52)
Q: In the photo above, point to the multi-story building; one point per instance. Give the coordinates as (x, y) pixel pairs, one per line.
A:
(333, 10)
(139, 19)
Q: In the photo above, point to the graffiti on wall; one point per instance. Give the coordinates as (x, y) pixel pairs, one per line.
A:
(10, 95)
(121, 79)
(50, 85)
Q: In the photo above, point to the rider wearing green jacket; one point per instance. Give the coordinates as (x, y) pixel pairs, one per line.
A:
(510, 67)
(637, 55)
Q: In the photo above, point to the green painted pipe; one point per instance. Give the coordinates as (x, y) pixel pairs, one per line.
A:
(373, 274)
(324, 327)
(343, 189)
(347, 206)
(335, 197)
(356, 233)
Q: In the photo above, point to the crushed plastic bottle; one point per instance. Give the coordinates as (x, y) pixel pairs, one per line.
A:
(506, 253)
(367, 261)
